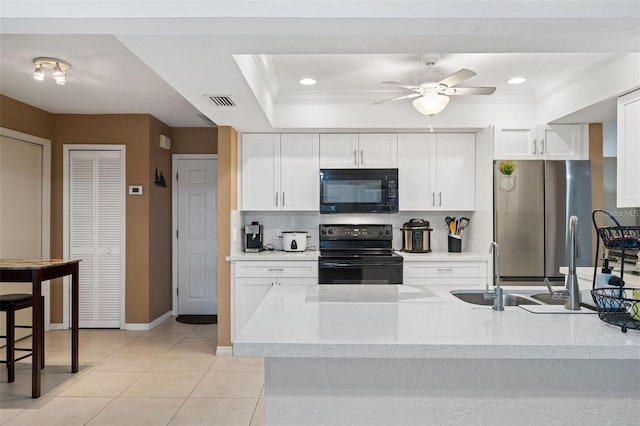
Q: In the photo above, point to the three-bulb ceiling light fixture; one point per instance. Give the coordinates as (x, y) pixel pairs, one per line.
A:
(57, 66)
(431, 102)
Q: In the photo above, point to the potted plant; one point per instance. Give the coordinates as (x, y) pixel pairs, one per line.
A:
(507, 170)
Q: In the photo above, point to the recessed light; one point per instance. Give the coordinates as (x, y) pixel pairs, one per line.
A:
(307, 82)
(516, 80)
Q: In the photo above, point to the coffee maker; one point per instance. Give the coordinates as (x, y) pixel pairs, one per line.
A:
(252, 237)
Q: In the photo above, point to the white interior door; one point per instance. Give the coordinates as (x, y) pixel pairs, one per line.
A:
(197, 237)
(96, 234)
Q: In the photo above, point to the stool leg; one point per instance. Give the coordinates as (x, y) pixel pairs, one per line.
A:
(11, 348)
(42, 336)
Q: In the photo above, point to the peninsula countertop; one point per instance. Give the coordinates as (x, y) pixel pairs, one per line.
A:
(419, 322)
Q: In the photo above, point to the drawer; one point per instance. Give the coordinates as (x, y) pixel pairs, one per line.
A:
(445, 270)
(258, 269)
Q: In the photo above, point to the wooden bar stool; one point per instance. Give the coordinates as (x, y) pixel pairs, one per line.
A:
(10, 303)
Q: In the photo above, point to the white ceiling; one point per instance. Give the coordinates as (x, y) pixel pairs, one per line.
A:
(166, 57)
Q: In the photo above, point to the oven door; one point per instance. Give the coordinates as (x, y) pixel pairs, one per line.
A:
(359, 271)
(358, 190)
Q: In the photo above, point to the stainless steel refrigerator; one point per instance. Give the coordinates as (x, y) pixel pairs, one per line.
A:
(531, 216)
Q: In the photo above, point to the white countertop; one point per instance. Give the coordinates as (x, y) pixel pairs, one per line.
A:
(585, 273)
(313, 255)
(409, 322)
(275, 255)
(443, 256)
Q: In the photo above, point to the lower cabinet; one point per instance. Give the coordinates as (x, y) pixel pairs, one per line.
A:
(446, 273)
(252, 280)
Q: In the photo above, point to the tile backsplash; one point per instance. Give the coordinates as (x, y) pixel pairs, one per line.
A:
(309, 222)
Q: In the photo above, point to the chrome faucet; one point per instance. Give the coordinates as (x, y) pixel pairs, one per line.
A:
(572, 292)
(496, 294)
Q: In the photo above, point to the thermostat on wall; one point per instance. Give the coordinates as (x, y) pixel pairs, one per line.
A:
(135, 189)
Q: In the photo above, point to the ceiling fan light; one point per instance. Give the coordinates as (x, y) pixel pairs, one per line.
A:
(38, 73)
(431, 105)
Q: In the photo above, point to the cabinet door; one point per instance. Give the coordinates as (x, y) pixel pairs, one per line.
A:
(339, 151)
(249, 292)
(378, 151)
(300, 172)
(456, 171)
(415, 156)
(561, 142)
(261, 172)
(628, 189)
(515, 143)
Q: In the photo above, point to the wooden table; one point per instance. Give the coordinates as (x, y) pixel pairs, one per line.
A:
(36, 271)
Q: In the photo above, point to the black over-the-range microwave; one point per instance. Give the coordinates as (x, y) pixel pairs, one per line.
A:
(358, 190)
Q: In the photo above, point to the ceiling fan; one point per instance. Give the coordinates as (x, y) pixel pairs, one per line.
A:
(433, 97)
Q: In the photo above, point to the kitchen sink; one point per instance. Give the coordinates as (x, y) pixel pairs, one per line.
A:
(477, 298)
(547, 299)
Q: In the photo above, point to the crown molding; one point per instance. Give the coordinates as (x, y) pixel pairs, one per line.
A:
(269, 75)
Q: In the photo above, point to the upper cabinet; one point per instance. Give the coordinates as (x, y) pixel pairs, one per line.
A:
(628, 182)
(280, 172)
(549, 142)
(350, 151)
(436, 171)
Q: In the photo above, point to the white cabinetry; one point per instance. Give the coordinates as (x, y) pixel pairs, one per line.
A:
(628, 182)
(280, 172)
(550, 142)
(447, 272)
(253, 279)
(436, 171)
(349, 151)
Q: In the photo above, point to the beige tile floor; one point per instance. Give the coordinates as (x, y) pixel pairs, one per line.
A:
(166, 376)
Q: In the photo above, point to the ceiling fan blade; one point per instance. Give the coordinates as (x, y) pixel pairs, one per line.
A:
(457, 77)
(412, 95)
(460, 91)
(405, 85)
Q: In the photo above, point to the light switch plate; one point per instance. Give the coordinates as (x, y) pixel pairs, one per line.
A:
(135, 189)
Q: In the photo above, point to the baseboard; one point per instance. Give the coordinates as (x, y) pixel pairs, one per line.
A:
(148, 326)
(224, 351)
(57, 326)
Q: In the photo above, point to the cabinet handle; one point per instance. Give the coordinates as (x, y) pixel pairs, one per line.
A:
(355, 157)
(541, 146)
(445, 269)
(362, 157)
(271, 284)
(275, 269)
(276, 199)
(282, 198)
(433, 198)
(439, 198)
(535, 147)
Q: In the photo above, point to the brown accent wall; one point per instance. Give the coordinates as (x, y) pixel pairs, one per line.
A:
(24, 118)
(160, 260)
(194, 140)
(597, 182)
(227, 201)
(133, 132)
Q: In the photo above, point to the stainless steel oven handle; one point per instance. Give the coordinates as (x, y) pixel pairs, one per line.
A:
(352, 265)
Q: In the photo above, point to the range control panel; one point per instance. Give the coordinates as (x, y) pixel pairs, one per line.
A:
(356, 232)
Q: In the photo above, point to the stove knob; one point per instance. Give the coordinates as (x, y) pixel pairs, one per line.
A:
(386, 231)
(330, 231)
(380, 231)
(323, 232)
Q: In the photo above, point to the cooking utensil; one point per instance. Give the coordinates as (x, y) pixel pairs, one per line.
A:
(464, 224)
(450, 220)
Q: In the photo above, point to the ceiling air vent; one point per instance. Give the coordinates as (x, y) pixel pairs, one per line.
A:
(222, 101)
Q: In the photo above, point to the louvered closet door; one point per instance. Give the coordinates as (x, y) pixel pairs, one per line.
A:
(96, 234)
